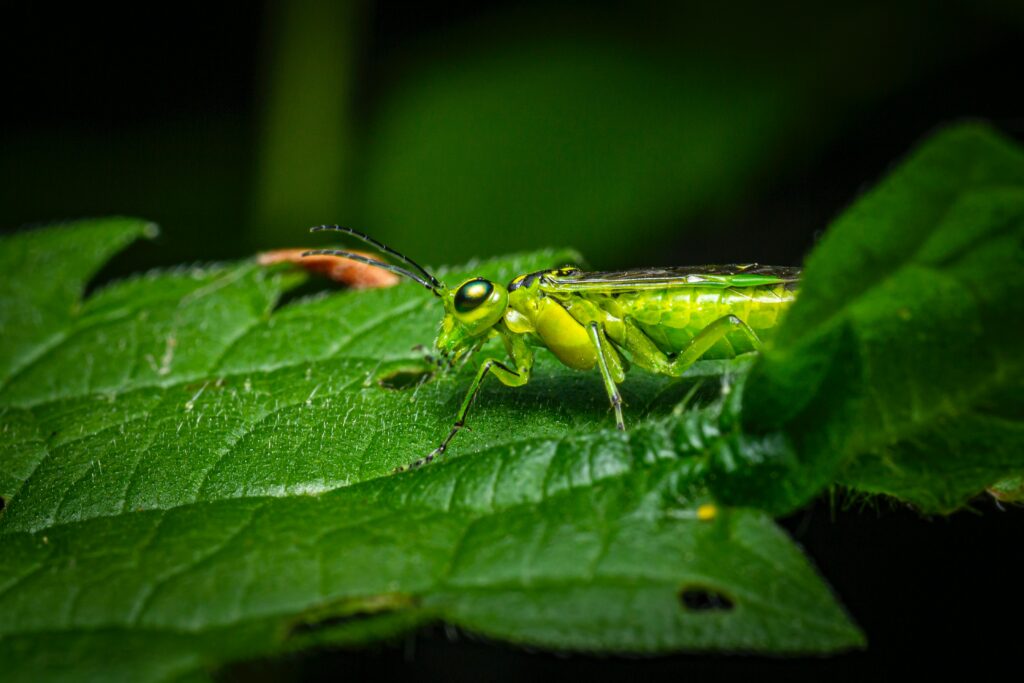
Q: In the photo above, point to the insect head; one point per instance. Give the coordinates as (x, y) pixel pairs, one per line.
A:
(472, 309)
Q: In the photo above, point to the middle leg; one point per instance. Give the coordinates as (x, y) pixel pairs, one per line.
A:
(604, 350)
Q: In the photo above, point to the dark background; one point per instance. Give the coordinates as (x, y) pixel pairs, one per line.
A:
(641, 133)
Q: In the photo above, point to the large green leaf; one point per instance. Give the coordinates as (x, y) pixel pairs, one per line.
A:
(901, 368)
(193, 477)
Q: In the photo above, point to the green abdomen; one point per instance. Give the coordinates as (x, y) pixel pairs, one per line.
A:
(671, 317)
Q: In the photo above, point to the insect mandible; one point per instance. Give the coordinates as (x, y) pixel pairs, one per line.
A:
(661, 320)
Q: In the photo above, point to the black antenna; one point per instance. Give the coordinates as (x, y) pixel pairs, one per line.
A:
(383, 247)
(373, 262)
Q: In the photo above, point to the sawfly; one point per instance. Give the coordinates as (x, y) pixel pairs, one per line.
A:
(661, 320)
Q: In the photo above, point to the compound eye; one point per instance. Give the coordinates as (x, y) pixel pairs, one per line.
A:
(472, 294)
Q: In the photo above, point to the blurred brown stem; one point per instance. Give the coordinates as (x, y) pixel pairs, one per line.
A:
(304, 134)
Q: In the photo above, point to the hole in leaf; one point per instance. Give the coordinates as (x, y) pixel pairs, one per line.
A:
(307, 627)
(348, 613)
(403, 378)
(702, 599)
(307, 289)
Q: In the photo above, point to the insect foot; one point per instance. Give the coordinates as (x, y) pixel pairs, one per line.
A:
(422, 461)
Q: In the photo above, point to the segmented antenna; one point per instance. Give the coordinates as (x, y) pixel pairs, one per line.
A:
(437, 284)
(374, 262)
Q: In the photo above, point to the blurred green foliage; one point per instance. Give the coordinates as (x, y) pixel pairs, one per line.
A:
(620, 129)
(585, 143)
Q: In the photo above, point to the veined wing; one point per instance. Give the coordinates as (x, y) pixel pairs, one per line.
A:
(731, 275)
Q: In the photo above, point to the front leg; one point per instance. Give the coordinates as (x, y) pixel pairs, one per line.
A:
(523, 357)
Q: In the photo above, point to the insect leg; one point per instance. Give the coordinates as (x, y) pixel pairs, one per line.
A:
(523, 358)
(707, 338)
(646, 353)
(603, 351)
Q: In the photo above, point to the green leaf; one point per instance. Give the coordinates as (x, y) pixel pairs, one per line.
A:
(196, 473)
(36, 310)
(44, 279)
(1010, 490)
(900, 369)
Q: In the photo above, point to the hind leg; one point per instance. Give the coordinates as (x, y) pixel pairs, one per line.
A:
(642, 350)
(707, 338)
(647, 354)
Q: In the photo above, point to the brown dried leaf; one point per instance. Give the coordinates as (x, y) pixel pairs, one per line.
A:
(352, 273)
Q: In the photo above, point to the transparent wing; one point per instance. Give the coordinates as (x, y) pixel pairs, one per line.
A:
(731, 275)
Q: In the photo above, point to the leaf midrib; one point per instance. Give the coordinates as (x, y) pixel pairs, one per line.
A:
(501, 451)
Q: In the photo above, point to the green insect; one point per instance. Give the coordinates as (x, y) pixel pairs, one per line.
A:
(661, 319)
